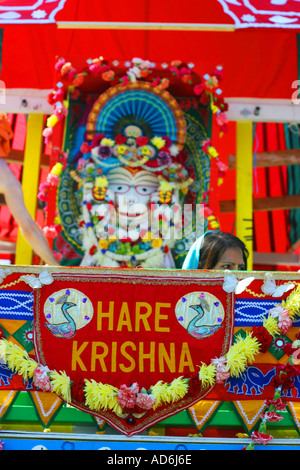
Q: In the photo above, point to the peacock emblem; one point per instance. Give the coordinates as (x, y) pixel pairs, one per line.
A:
(66, 329)
(202, 331)
(201, 314)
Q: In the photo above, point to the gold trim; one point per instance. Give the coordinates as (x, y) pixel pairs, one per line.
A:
(157, 273)
(120, 25)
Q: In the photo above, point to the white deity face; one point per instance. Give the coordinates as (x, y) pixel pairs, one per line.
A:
(132, 190)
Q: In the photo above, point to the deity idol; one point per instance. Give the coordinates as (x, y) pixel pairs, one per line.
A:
(130, 201)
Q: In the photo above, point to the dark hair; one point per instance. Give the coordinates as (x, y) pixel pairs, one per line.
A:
(213, 246)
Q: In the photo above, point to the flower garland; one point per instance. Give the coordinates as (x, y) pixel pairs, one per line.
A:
(98, 396)
(208, 91)
(129, 399)
(282, 381)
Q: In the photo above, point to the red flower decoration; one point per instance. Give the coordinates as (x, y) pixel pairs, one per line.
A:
(120, 139)
(142, 141)
(77, 391)
(261, 437)
(284, 376)
(288, 349)
(278, 404)
(283, 381)
(194, 385)
(263, 337)
(97, 139)
(93, 250)
(85, 148)
(288, 369)
(127, 396)
(199, 89)
(272, 417)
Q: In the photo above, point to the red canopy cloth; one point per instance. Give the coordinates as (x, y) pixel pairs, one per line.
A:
(258, 63)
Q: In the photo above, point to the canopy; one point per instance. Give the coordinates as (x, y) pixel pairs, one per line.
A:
(259, 62)
(255, 41)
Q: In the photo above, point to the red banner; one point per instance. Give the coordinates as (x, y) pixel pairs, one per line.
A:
(134, 346)
(132, 332)
(263, 13)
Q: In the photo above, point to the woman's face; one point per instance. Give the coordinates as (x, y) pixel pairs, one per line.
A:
(231, 259)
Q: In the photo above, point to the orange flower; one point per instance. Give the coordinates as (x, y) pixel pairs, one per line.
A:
(165, 82)
(79, 79)
(109, 75)
(144, 73)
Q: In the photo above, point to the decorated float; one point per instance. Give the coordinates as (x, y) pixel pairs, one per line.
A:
(130, 187)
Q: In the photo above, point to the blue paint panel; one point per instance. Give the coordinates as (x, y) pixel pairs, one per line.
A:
(16, 305)
(249, 312)
(151, 458)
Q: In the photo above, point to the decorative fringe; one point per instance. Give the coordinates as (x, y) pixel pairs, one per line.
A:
(241, 354)
(159, 390)
(101, 396)
(17, 359)
(61, 385)
(207, 374)
(271, 325)
(177, 389)
(169, 393)
(292, 303)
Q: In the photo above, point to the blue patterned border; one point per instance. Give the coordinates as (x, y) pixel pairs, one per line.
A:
(249, 312)
(16, 305)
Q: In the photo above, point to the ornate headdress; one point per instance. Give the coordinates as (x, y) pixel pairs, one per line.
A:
(135, 125)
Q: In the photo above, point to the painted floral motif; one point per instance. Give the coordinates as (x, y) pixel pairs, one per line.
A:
(30, 12)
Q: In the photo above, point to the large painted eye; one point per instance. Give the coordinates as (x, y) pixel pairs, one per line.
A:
(144, 190)
(119, 188)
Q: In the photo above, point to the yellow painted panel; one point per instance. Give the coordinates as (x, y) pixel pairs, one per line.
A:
(244, 184)
(30, 180)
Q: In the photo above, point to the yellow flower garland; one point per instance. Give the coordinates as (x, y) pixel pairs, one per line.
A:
(101, 396)
(241, 353)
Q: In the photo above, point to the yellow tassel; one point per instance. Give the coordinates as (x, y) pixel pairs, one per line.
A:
(101, 396)
(61, 385)
(271, 325)
(177, 389)
(52, 120)
(159, 390)
(17, 359)
(292, 303)
(169, 393)
(57, 169)
(207, 374)
(240, 354)
(3, 345)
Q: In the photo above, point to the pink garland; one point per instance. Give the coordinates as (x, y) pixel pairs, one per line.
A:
(130, 398)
